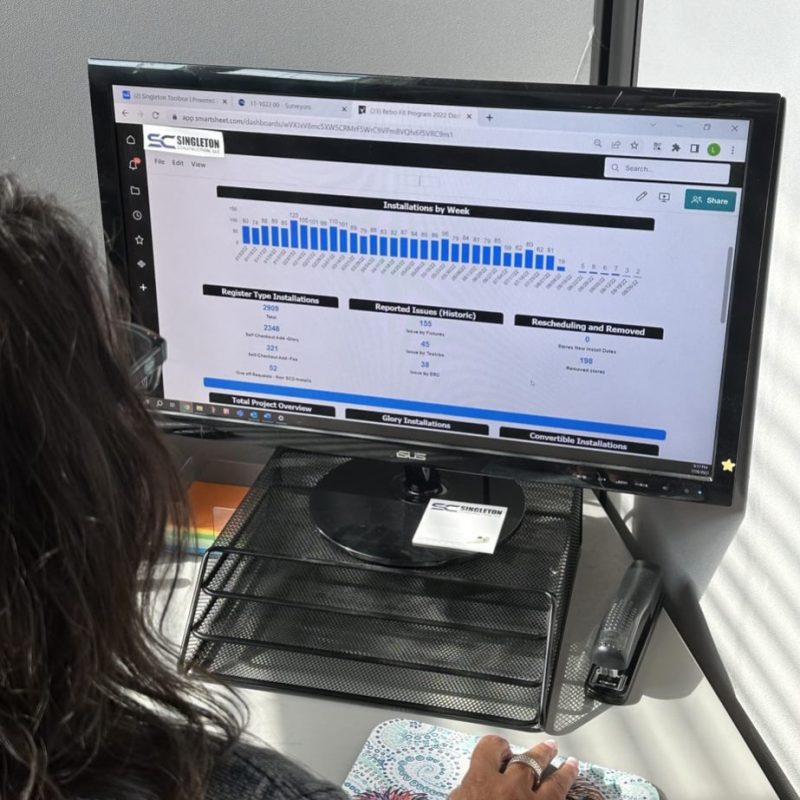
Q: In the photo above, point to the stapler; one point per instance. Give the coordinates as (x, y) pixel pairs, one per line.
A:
(624, 634)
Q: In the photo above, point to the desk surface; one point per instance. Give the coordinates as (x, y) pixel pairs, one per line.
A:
(674, 731)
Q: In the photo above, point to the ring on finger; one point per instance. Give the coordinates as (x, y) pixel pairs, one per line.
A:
(528, 761)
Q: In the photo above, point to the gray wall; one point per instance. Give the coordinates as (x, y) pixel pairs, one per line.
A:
(44, 46)
(733, 573)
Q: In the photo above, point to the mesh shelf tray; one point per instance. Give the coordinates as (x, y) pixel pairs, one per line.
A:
(277, 605)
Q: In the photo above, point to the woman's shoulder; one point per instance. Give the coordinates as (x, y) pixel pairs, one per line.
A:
(249, 772)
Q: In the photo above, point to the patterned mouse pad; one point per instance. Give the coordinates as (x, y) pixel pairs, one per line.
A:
(407, 760)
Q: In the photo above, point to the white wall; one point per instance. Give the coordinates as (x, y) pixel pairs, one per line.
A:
(734, 575)
(740, 566)
(44, 46)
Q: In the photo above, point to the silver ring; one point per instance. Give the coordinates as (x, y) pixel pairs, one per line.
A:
(528, 761)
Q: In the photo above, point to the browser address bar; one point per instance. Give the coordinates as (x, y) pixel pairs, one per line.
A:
(316, 127)
(651, 169)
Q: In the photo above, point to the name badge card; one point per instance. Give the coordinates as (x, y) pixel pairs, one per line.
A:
(454, 525)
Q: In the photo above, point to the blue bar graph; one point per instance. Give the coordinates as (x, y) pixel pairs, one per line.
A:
(334, 238)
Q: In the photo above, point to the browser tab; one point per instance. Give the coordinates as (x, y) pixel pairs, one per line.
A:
(147, 96)
(304, 106)
(417, 113)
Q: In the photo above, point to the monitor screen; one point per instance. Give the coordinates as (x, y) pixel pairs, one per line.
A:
(496, 277)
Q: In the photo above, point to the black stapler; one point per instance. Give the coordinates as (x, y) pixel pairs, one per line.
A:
(624, 634)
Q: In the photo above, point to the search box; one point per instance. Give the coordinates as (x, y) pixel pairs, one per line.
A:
(651, 169)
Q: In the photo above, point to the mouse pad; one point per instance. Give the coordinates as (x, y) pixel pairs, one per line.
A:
(407, 760)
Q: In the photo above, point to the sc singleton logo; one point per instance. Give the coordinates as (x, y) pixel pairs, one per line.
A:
(453, 508)
(161, 140)
(189, 141)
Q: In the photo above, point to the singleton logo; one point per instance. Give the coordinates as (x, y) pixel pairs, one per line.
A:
(188, 141)
(458, 509)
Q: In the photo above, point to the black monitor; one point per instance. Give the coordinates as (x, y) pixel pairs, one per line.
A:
(495, 279)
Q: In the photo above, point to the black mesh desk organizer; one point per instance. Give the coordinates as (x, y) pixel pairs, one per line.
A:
(277, 605)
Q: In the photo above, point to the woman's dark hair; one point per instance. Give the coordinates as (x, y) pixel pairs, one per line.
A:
(91, 704)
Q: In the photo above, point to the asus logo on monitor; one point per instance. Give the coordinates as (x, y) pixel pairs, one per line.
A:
(411, 456)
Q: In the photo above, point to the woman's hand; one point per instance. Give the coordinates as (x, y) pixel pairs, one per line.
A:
(485, 781)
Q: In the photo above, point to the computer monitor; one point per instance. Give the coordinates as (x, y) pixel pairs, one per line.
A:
(496, 279)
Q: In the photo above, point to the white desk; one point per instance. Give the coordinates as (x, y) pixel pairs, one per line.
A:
(674, 731)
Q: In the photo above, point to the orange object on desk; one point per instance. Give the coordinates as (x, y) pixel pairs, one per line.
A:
(210, 507)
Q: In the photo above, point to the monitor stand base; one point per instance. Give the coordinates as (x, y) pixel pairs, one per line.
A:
(372, 509)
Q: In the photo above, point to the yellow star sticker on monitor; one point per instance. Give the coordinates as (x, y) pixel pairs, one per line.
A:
(728, 465)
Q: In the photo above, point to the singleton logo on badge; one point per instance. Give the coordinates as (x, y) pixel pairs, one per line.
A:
(458, 509)
(187, 141)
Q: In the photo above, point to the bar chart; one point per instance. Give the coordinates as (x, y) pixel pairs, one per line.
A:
(327, 237)
(431, 241)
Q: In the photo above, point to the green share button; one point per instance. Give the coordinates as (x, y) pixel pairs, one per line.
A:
(709, 200)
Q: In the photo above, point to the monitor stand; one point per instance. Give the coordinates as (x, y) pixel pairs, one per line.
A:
(372, 509)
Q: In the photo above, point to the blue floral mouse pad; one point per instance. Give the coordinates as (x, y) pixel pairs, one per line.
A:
(407, 760)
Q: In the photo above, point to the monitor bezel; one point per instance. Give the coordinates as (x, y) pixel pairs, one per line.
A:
(764, 112)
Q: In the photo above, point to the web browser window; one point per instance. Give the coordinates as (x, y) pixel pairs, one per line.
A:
(498, 274)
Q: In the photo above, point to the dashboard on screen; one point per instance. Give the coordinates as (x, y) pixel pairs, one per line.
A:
(504, 276)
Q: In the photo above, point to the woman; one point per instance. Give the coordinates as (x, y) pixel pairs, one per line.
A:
(88, 706)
